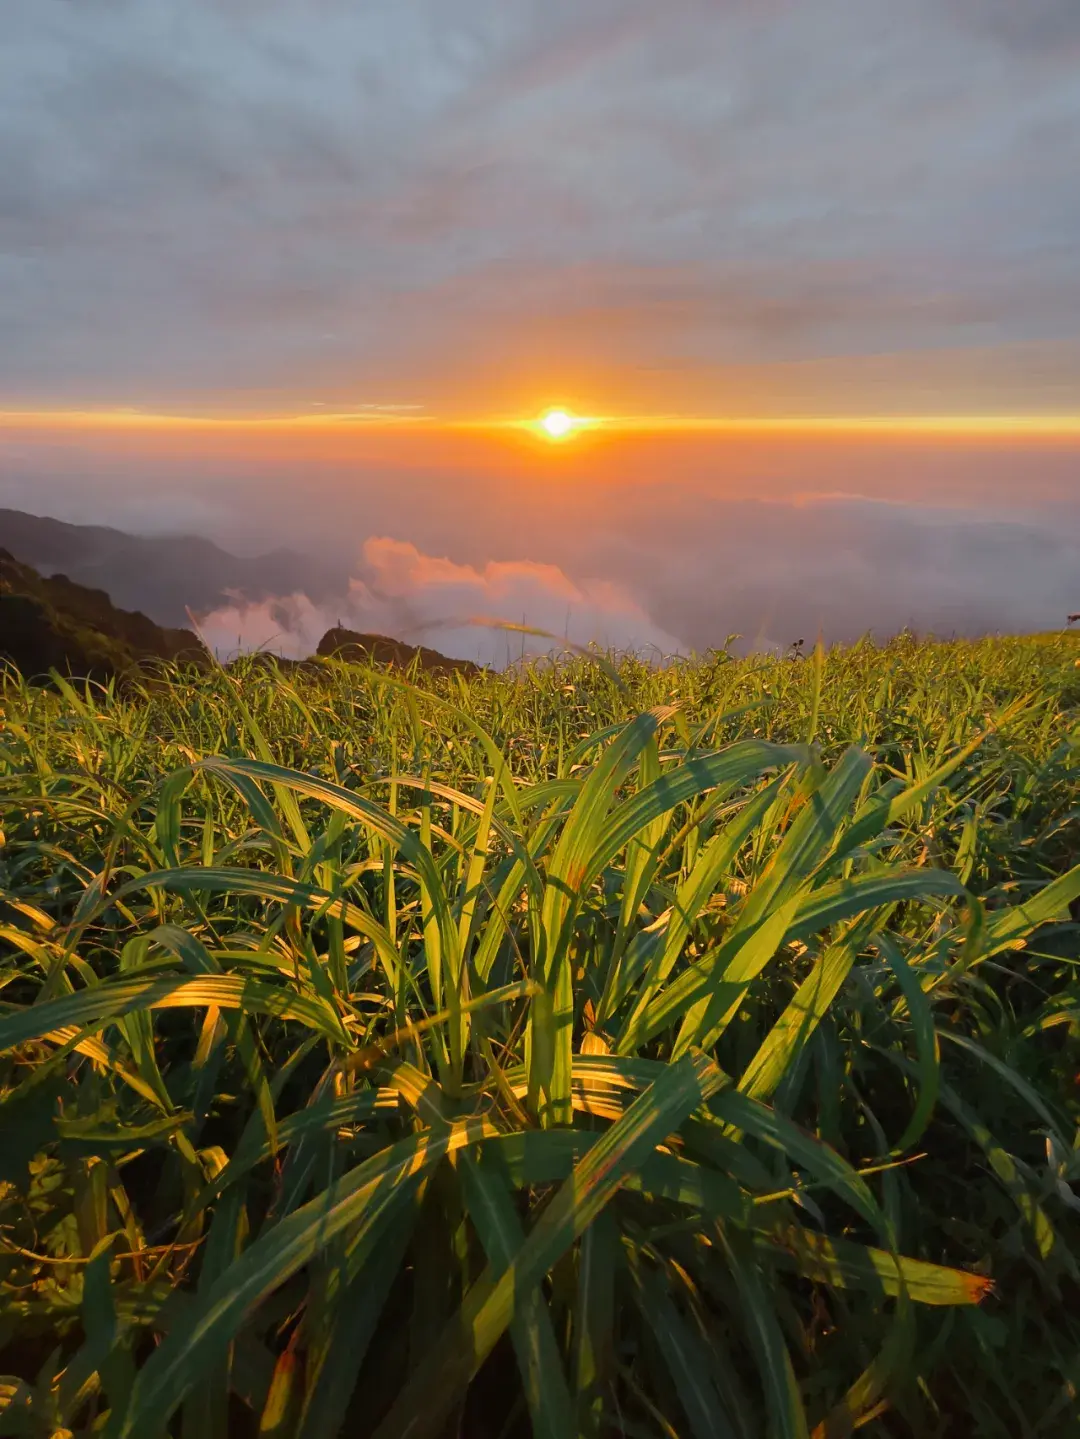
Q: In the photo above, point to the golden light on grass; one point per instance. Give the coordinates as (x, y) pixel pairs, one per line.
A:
(597, 843)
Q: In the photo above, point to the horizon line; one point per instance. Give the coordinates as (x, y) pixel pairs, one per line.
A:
(1034, 424)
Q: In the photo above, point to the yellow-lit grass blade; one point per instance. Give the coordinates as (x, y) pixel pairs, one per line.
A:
(712, 864)
(643, 856)
(810, 835)
(1012, 927)
(550, 1038)
(802, 848)
(94, 1008)
(495, 757)
(843, 1264)
(709, 993)
(262, 885)
(357, 807)
(539, 1157)
(474, 874)
(881, 813)
(262, 748)
(736, 764)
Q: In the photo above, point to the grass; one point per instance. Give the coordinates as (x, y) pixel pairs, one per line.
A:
(590, 1050)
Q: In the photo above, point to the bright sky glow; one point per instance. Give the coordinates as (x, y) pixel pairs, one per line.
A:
(558, 424)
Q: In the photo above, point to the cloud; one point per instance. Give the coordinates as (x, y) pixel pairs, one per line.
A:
(302, 199)
(847, 565)
(1043, 27)
(455, 608)
(289, 625)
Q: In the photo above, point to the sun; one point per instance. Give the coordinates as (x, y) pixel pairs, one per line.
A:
(558, 424)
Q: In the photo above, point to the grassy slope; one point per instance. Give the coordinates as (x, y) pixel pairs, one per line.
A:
(885, 1026)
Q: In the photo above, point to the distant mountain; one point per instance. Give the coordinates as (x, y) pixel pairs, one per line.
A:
(89, 600)
(346, 644)
(163, 576)
(50, 622)
(53, 623)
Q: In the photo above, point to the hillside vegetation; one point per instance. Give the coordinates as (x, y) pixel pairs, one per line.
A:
(49, 623)
(589, 1050)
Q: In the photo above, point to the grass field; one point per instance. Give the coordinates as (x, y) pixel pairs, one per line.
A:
(589, 1050)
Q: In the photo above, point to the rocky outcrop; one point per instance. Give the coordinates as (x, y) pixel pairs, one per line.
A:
(343, 644)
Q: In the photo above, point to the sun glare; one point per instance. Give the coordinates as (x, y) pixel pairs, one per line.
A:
(558, 424)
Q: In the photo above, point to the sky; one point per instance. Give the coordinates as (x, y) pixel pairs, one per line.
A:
(294, 270)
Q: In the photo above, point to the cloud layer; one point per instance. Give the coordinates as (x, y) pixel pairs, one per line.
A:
(846, 565)
(455, 608)
(299, 201)
(772, 573)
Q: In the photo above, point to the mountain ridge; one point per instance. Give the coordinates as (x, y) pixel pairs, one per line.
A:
(163, 576)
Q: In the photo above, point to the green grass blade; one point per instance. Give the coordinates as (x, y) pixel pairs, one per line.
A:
(551, 1038)
(787, 1417)
(599, 1257)
(846, 898)
(711, 866)
(491, 1209)
(795, 1027)
(369, 1196)
(927, 1048)
(491, 1303)
(739, 763)
(686, 1357)
(333, 1365)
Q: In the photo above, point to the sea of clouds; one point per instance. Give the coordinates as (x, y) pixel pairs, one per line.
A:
(772, 573)
(460, 609)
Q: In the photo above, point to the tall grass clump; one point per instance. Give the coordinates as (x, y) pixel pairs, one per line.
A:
(589, 1050)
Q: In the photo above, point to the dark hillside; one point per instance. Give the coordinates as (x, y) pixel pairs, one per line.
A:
(53, 623)
(56, 624)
